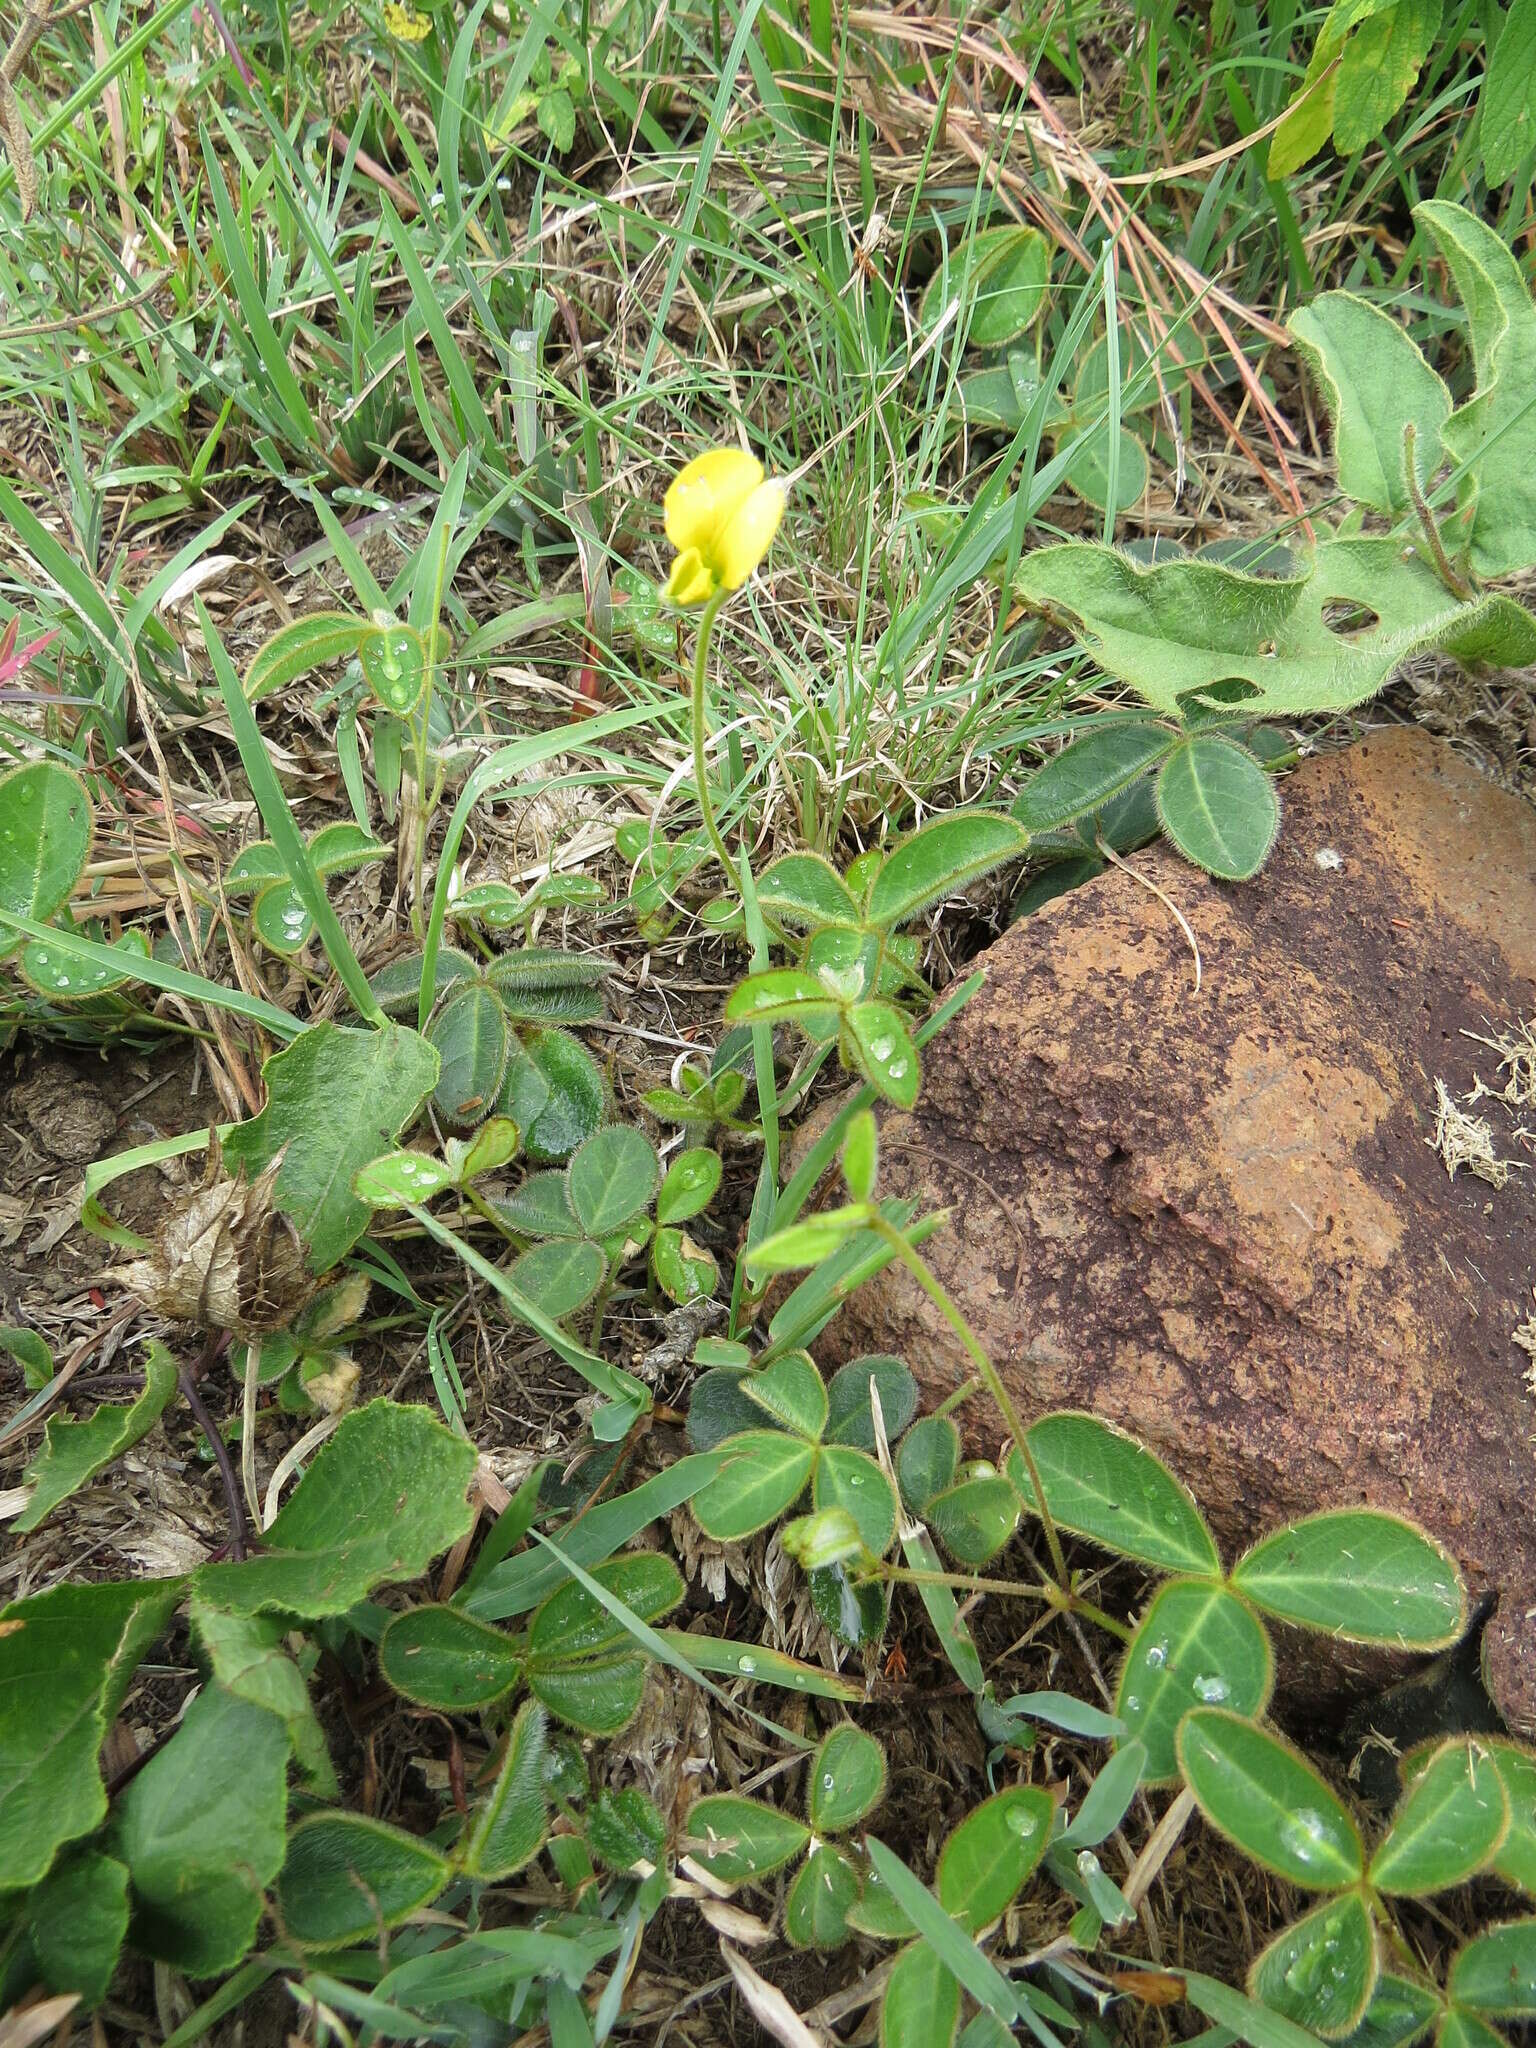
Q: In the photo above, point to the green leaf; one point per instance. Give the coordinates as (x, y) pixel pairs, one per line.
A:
(381, 1499)
(248, 1660)
(1449, 1823)
(975, 1519)
(816, 1908)
(1493, 435)
(765, 1475)
(397, 987)
(280, 920)
(1507, 106)
(1264, 1796)
(1198, 1644)
(921, 2008)
(561, 1276)
(1003, 274)
(1090, 772)
(469, 1034)
(1375, 382)
(845, 1779)
(1242, 2016)
(781, 995)
(851, 1480)
(1400, 1587)
(685, 1271)
(1218, 806)
(397, 1178)
(850, 1417)
(576, 1100)
(201, 1829)
(557, 118)
(497, 1143)
(927, 1460)
(572, 1623)
(599, 1698)
(1381, 61)
(64, 977)
(30, 1352)
(1101, 1483)
(739, 1840)
(809, 1243)
(541, 1207)
(74, 1452)
(986, 1859)
(1089, 453)
(1308, 120)
(66, 1659)
(690, 1185)
(45, 840)
(1516, 1859)
(1460, 2029)
(792, 1392)
(612, 1178)
(300, 647)
(804, 890)
(763, 1666)
(394, 664)
(883, 1051)
(443, 1658)
(1322, 1971)
(346, 1878)
(336, 1099)
(508, 1831)
(940, 859)
(1400, 2012)
(77, 1921)
(1189, 626)
(1496, 1972)
(624, 1829)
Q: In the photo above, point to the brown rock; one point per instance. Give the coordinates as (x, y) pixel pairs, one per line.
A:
(1219, 1218)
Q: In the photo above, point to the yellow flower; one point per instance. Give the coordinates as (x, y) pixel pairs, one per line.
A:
(721, 517)
(404, 23)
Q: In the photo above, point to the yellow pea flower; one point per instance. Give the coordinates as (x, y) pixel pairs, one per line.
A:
(721, 516)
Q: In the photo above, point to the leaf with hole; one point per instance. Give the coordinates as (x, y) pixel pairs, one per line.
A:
(379, 1501)
(1101, 1483)
(1197, 1644)
(74, 1452)
(1218, 806)
(739, 1840)
(1321, 1971)
(1186, 628)
(612, 1178)
(1263, 1795)
(507, 1830)
(1401, 1588)
(45, 841)
(765, 1474)
(988, 1856)
(337, 1098)
(442, 1658)
(1375, 384)
(1495, 1973)
(685, 1270)
(347, 1878)
(1448, 1824)
(845, 1779)
(202, 1841)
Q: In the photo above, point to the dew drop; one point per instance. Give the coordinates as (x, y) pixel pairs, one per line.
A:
(828, 1781)
(1307, 1835)
(1157, 1656)
(1211, 1689)
(746, 1666)
(63, 981)
(1021, 1822)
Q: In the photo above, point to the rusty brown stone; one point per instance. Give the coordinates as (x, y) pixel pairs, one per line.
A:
(1218, 1218)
